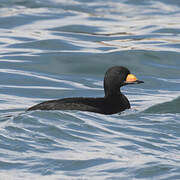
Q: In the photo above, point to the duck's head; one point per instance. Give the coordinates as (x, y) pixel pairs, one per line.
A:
(118, 76)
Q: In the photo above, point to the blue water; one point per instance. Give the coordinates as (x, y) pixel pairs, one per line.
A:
(51, 49)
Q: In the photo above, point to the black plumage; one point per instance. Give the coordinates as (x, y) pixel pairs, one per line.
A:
(113, 101)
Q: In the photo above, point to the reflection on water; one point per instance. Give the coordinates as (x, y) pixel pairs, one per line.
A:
(53, 49)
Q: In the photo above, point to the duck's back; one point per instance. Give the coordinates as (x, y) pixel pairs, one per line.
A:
(79, 103)
(97, 105)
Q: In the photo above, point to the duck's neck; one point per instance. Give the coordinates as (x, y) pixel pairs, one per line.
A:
(113, 96)
(110, 91)
(113, 93)
(118, 99)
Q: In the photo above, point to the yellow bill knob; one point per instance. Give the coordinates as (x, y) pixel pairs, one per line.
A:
(131, 78)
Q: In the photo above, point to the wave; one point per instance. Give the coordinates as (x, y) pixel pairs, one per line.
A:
(166, 107)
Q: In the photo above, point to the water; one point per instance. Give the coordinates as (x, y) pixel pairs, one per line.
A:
(52, 49)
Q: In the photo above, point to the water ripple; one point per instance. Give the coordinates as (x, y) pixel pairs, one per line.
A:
(53, 49)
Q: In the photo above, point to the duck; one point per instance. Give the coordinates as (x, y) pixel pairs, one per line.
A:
(114, 101)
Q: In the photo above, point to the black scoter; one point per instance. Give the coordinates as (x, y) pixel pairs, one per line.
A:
(113, 101)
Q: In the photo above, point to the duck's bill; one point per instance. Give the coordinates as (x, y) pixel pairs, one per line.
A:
(134, 82)
(131, 79)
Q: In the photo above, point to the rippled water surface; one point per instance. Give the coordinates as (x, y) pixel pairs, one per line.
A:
(51, 49)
